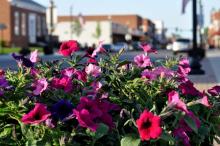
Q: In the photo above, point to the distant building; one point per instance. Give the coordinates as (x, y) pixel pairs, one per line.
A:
(114, 28)
(160, 31)
(214, 30)
(25, 21)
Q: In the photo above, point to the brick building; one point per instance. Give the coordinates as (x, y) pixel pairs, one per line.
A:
(214, 30)
(25, 22)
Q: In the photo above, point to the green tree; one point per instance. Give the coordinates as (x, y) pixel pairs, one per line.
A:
(77, 28)
(98, 31)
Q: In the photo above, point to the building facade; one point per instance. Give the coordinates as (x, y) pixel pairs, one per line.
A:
(25, 22)
(214, 30)
(114, 28)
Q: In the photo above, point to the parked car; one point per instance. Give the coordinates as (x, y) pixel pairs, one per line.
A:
(182, 45)
(136, 45)
(108, 47)
(118, 46)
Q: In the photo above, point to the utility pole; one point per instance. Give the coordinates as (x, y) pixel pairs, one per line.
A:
(196, 56)
(71, 22)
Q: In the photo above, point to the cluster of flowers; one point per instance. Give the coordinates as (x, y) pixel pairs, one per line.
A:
(155, 101)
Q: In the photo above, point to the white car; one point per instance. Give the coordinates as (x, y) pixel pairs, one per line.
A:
(182, 45)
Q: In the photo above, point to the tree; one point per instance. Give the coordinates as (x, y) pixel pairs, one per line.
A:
(98, 31)
(77, 28)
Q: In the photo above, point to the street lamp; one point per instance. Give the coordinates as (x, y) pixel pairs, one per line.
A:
(195, 58)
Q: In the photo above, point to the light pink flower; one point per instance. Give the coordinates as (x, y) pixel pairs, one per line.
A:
(93, 70)
(98, 49)
(142, 60)
(148, 48)
(96, 85)
(174, 101)
(40, 86)
(34, 56)
(69, 72)
(204, 100)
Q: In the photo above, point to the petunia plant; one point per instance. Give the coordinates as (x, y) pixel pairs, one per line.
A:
(97, 99)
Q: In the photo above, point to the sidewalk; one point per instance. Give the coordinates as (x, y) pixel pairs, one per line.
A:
(211, 66)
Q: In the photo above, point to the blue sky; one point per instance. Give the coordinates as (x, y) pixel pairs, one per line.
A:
(167, 10)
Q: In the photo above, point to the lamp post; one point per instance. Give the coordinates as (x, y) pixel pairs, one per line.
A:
(195, 55)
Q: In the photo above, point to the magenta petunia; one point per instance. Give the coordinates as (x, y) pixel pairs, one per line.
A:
(188, 88)
(36, 115)
(64, 83)
(69, 72)
(96, 85)
(91, 112)
(174, 101)
(148, 48)
(40, 86)
(148, 126)
(93, 70)
(80, 75)
(142, 61)
(69, 47)
(214, 91)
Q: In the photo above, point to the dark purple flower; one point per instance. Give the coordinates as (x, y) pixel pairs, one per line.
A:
(180, 133)
(3, 82)
(24, 61)
(188, 88)
(61, 109)
(214, 91)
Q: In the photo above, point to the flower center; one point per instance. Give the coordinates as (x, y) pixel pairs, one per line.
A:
(146, 124)
(37, 116)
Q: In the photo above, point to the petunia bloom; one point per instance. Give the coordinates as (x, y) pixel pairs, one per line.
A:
(142, 61)
(174, 101)
(148, 48)
(214, 91)
(91, 112)
(24, 61)
(69, 47)
(188, 88)
(148, 126)
(93, 70)
(98, 49)
(96, 85)
(34, 56)
(36, 115)
(204, 100)
(61, 109)
(69, 72)
(180, 133)
(40, 86)
(64, 83)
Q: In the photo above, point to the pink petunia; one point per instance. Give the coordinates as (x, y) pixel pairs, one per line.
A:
(174, 101)
(93, 70)
(98, 49)
(204, 100)
(69, 72)
(37, 115)
(148, 48)
(34, 56)
(142, 61)
(40, 86)
(96, 85)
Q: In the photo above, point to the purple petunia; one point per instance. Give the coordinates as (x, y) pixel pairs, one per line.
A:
(24, 61)
(214, 91)
(61, 109)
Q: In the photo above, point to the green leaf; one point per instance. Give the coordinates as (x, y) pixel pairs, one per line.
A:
(130, 140)
(101, 131)
(5, 132)
(167, 137)
(191, 123)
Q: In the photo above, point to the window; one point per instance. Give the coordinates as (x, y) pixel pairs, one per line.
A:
(23, 24)
(16, 23)
(39, 28)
